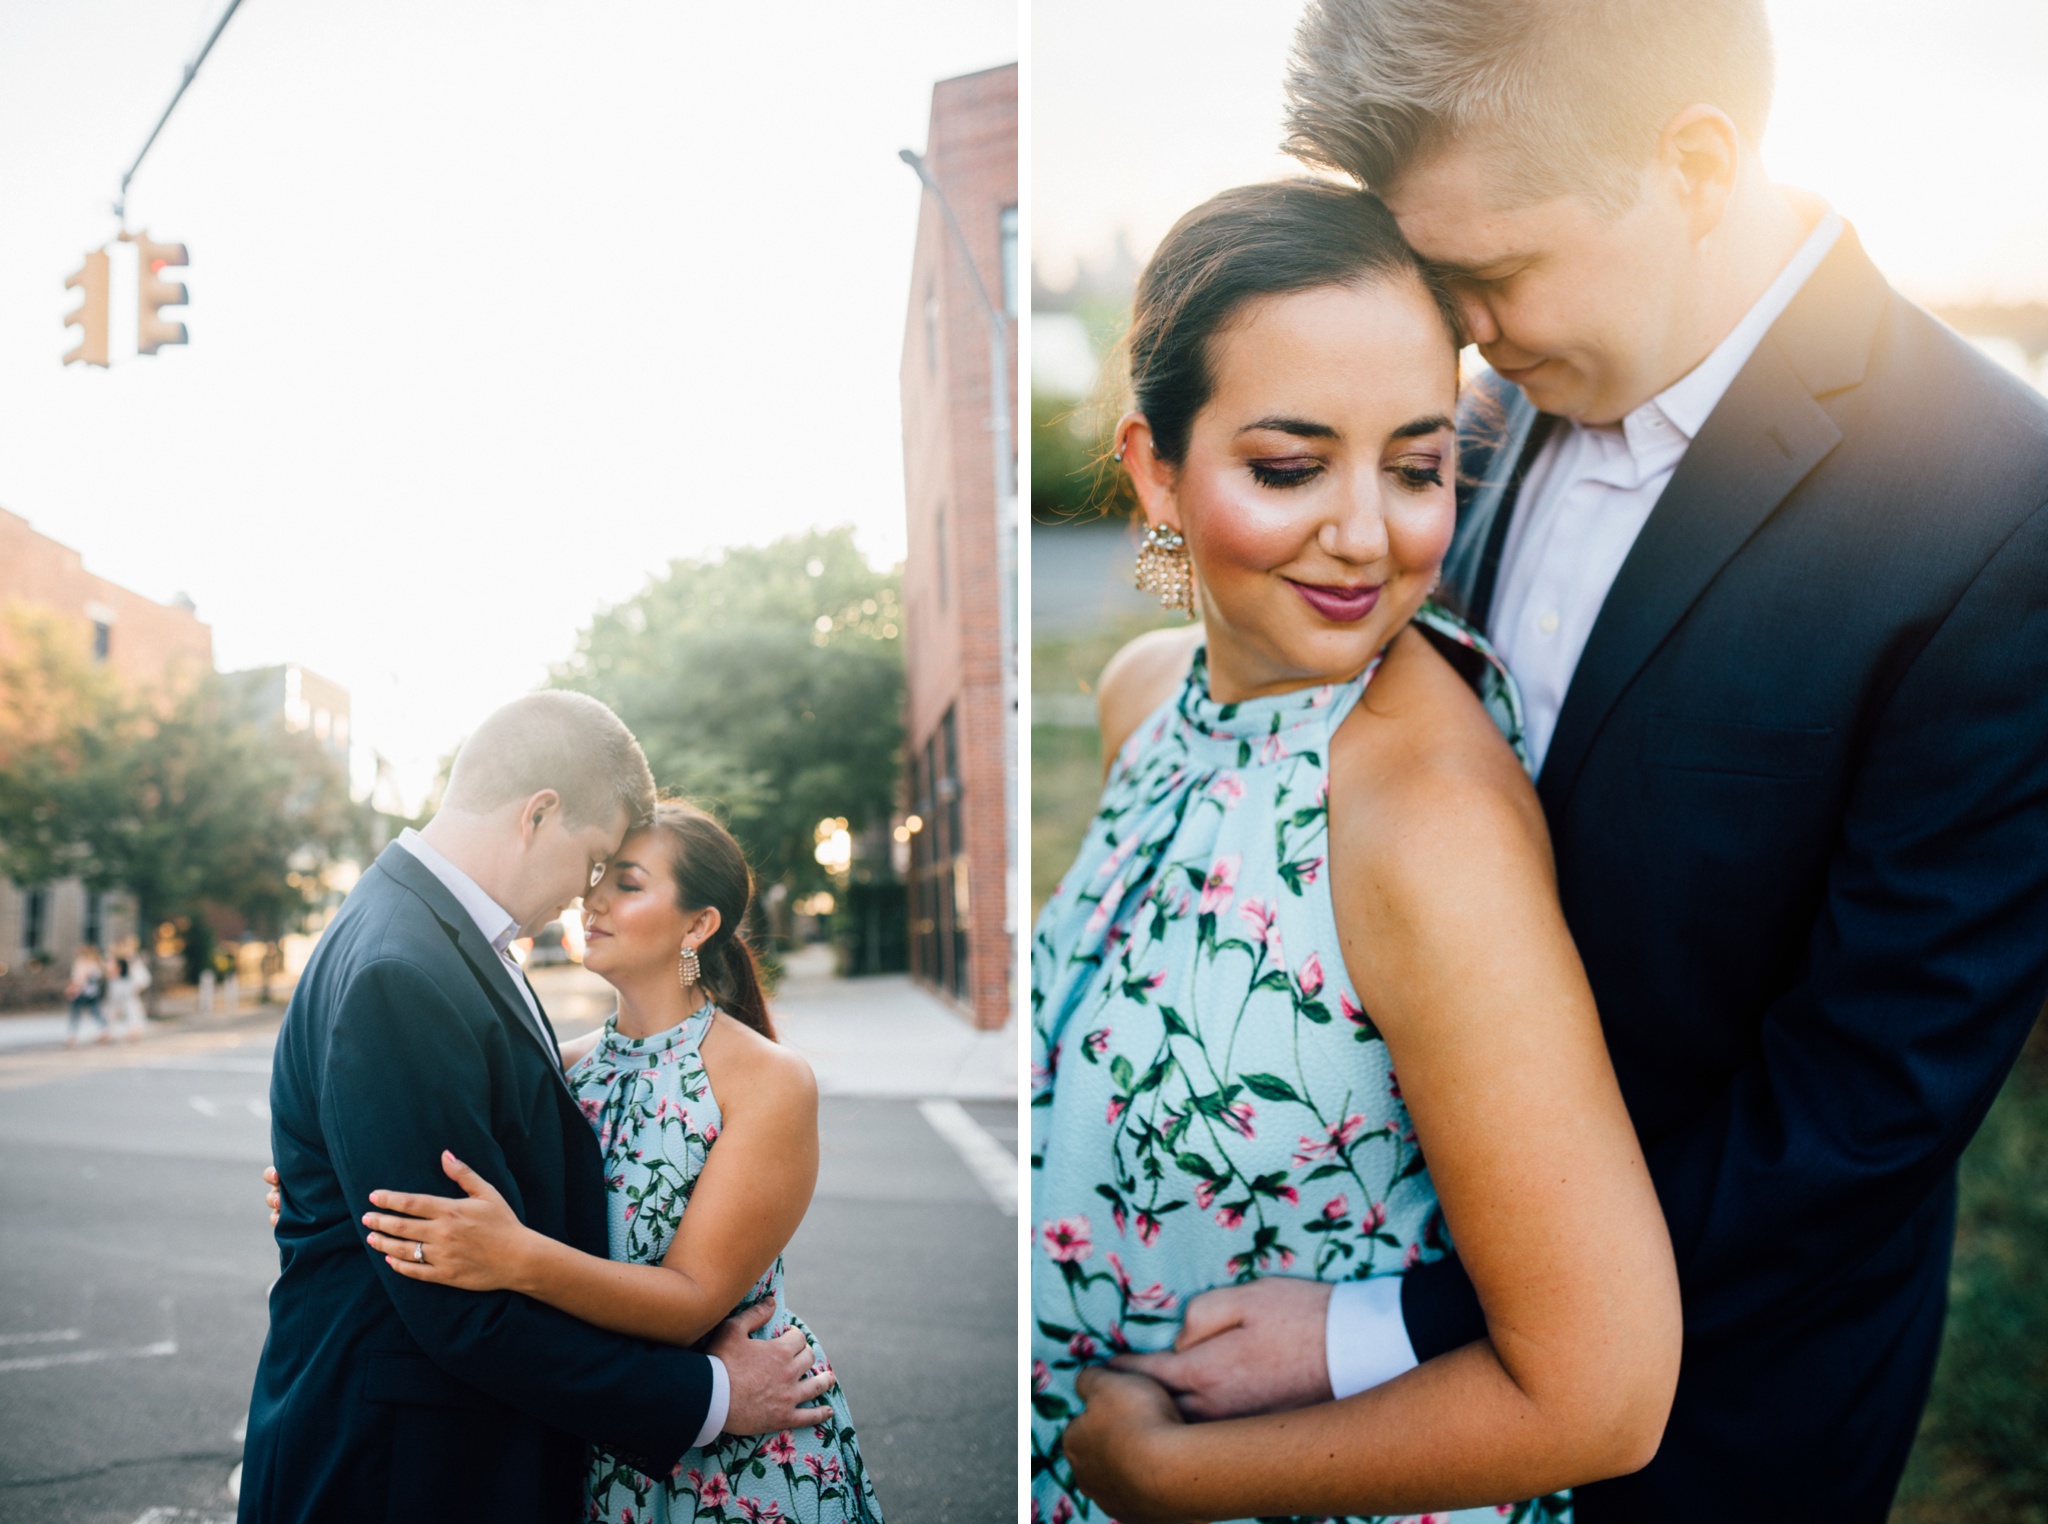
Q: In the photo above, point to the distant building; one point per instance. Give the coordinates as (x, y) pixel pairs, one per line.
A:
(958, 579)
(150, 647)
(300, 700)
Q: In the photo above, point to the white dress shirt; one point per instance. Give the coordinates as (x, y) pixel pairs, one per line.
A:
(499, 928)
(1586, 497)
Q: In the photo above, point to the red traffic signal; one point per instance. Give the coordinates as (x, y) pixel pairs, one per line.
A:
(152, 330)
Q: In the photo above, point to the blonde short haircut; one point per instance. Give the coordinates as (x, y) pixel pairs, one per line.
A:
(1569, 96)
(568, 742)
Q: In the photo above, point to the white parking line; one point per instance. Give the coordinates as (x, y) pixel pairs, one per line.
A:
(991, 1163)
(184, 1516)
(54, 1336)
(89, 1357)
(206, 1106)
(258, 1108)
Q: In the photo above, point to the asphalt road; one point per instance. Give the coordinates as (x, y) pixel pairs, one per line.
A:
(135, 1258)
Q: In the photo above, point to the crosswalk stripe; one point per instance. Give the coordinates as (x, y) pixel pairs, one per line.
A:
(989, 1162)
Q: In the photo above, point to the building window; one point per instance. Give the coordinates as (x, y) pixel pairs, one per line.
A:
(1010, 260)
(938, 865)
(956, 851)
(35, 921)
(102, 639)
(931, 327)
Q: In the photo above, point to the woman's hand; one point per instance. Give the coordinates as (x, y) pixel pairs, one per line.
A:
(273, 1195)
(1122, 1441)
(474, 1242)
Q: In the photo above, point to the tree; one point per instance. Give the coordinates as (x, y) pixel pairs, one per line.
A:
(766, 682)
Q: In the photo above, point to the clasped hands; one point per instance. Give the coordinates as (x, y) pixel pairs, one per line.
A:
(1255, 1348)
(477, 1243)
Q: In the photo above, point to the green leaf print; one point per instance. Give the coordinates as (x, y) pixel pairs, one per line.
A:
(1270, 1087)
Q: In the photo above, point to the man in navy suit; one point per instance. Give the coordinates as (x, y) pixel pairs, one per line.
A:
(414, 1032)
(1767, 548)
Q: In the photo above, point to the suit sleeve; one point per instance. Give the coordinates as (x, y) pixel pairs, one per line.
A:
(1926, 968)
(406, 1076)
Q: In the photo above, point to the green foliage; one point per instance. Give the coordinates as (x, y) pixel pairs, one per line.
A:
(767, 682)
(1069, 441)
(201, 810)
(1982, 1453)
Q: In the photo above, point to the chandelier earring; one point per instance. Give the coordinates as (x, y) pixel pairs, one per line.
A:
(1165, 570)
(688, 968)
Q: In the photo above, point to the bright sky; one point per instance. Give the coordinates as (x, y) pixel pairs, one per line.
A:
(497, 306)
(1920, 120)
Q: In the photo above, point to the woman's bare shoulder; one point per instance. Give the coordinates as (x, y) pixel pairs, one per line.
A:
(1419, 767)
(757, 1074)
(1141, 677)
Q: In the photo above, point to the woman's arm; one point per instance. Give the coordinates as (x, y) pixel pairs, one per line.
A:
(1451, 931)
(746, 1205)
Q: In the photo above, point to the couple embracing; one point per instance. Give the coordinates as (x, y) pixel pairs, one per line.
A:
(1549, 933)
(530, 1281)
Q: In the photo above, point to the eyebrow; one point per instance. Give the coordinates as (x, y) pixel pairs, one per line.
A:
(1301, 428)
(620, 865)
(1434, 423)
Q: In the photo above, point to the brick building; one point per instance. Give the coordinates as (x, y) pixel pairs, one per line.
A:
(150, 647)
(959, 637)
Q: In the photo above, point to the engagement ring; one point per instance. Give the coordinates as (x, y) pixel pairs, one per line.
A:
(419, 1253)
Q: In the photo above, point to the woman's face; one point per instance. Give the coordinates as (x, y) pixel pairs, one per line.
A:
(631, 922)
(1317, 494)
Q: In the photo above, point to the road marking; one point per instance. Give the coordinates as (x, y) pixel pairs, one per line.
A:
(204, 1105)
(258, 1108)
(89, 1357)
(235, 1482)
(184, 1516)
(54, 1336)
(207, 1066)
(990, 1163)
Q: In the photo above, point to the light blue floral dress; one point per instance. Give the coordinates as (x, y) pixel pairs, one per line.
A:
(656, 1119)
(1211, 1102)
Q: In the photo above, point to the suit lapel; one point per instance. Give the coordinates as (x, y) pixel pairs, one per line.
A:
(1497, 432)
(484, 963)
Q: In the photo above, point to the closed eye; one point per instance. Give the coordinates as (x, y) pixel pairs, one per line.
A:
(1284, 473)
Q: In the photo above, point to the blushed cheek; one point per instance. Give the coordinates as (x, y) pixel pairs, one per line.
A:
(1228, 535)
(1420, 535)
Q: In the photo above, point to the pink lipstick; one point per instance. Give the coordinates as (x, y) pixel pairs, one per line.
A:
(1345, 605)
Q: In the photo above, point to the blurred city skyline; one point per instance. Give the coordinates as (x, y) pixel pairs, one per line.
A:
(495, 311)
(1905, 114)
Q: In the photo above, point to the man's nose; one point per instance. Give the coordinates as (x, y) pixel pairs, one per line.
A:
(1480, 328)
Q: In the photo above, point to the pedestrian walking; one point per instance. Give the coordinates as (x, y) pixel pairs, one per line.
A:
(124, 994)
(86, 989)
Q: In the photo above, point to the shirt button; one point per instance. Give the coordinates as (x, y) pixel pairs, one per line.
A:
(1548, 623)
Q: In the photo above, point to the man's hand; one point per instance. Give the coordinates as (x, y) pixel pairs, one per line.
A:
(1121, 1442)
(1256, 1348)
(770, 1380)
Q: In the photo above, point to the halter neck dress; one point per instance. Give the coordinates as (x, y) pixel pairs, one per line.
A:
(650, 1103)
(1211, 1102)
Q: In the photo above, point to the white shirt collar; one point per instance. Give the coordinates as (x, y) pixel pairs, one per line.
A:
(1686, 403)
(492, 919)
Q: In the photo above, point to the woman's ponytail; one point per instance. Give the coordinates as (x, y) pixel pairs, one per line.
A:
(711, 873)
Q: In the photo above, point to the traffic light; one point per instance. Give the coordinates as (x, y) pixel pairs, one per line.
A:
(91, 316)
(152, 331)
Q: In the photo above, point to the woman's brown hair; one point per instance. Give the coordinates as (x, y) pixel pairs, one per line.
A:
(711, 873)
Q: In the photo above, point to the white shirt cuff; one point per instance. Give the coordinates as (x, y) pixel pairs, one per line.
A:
(721, 1402)
(1365, 1338)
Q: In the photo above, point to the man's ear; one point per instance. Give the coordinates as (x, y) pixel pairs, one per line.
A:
(536, 811)
(1703, 151)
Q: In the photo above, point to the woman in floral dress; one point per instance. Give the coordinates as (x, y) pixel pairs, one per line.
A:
(1315, 855)
(686, 1072)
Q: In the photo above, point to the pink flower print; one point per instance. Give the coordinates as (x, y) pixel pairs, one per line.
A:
(1081, 1347)
(1220, 887)
(1311, 976)
(1340, 1137)
(1260, 917)
(716, 1492)
(1323, 791)
(1062, 1512)
(711, 1135)
(1205, 1193)
(1286, 1259)
(1041, 1375)
(1289, 1194)
(1116, 1215)
(1097, 1042)
(1154, 1297)
(604, 1136)
(1393, 1085)
(815, 1464)
(1239, 1117)
(1352, 1011)
(781, 1449)
(1116, 1108)
(1069, 1240)
(769, 1512)
(1412, 1258)
(1231, 1217)
(1373, 1218)
(1335, 1208)
(1320, 699)
(1273, 748)
(1097, 918)
(1228, 788)
(1148, 1229)
(833, 1471)
(631, 1208)
(1308, 870)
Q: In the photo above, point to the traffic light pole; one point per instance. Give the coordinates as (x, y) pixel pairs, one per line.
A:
(191, 71)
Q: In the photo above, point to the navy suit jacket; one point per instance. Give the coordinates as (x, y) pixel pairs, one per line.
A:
(1798, 792)
(381, 1398)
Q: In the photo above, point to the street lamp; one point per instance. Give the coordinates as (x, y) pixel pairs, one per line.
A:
(1006, 518)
